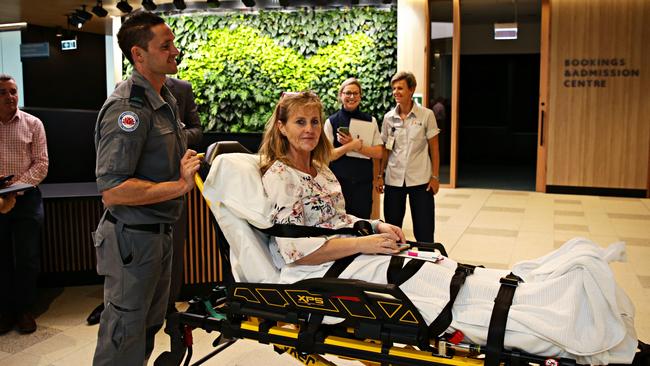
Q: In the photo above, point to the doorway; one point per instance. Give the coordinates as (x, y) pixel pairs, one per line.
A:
(498, 96)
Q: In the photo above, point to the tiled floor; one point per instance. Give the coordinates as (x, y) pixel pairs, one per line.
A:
(495, 228)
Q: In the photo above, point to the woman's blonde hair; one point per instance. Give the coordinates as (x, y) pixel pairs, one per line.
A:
(350, 81)
(275, 145)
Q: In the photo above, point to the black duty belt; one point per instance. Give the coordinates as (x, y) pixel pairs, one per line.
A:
(152, 228)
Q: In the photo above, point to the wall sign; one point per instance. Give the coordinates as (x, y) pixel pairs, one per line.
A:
(596, 72)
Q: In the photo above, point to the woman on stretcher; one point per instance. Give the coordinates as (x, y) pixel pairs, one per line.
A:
(568, 305)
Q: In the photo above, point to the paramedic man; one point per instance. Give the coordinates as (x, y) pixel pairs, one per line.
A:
(143, 170)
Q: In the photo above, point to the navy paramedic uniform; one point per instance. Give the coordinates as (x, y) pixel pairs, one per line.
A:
(354, 174)
(137, 135)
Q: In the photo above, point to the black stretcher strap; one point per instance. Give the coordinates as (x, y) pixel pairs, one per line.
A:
(443, 320)
(398, 273)
(339, 266)
(360, 228)
(497, 328)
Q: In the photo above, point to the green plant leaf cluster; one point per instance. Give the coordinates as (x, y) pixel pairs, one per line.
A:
(239, 64)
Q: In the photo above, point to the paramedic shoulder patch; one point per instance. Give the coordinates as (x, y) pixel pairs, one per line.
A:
(128, 121)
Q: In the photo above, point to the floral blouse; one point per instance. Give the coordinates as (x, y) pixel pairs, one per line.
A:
(300, 199)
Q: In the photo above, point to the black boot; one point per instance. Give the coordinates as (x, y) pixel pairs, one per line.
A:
(95, 315)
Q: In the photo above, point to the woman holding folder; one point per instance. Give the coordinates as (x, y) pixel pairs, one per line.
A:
(357, 142)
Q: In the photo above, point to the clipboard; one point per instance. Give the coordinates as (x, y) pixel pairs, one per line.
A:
(363, 130)
(14, 188)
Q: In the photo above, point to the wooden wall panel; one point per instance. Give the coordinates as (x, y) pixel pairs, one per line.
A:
(202, 261)
(599, 135)
(67, 244)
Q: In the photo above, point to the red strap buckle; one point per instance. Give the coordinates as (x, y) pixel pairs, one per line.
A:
(456, 337)
(188, 336)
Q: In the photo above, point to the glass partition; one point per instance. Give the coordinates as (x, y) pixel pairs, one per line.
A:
(440, 77)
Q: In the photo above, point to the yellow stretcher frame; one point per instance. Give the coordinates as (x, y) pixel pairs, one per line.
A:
(285, 338)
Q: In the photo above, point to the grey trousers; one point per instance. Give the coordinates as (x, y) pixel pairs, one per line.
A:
(136, 266)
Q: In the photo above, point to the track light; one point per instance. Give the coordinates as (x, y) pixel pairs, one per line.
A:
(83, 14)
(214, 3)
(180, 4)
(149, 5)
(75, 21)
(249, 3)
(124, 6)
(99, 9)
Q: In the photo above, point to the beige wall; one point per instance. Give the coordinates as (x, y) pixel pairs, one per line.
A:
(412, 39)
(599, 135)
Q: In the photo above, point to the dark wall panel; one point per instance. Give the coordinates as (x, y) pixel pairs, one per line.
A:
(74, 79)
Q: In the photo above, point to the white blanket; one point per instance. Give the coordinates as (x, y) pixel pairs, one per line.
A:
(569, 304)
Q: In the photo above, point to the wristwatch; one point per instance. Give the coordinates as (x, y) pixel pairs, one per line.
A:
(435, 177)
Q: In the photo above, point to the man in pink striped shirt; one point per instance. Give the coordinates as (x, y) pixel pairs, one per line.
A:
(23, 154)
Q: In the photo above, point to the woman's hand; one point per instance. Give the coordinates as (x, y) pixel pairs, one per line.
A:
(7, 203)
(393, 230)
(434, 185)
(384, 243)
(349, 142)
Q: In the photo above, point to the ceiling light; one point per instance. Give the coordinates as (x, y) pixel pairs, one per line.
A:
(249, 3)
(124, 6)
(59, 32)
(214, 3)
(75, 21)
(149, 5)
(180, 4)
(83, 14)
(99, 9)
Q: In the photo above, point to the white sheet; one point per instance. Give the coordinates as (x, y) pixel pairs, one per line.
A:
(569, 304)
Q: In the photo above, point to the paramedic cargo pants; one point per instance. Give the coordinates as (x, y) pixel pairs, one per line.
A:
(137, 266)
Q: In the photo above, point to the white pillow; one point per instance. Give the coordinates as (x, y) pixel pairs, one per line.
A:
(237, 199)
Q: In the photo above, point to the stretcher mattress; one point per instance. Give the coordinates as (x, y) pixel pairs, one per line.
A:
(569, 304)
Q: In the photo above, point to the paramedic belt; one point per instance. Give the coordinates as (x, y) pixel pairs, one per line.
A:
(152, 228)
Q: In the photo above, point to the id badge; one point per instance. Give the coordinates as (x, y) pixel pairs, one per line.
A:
(390, 142)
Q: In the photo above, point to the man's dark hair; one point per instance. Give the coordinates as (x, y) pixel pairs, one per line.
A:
(136, 31)
(6, 77)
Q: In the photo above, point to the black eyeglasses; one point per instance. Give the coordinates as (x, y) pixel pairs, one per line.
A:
(351, 94)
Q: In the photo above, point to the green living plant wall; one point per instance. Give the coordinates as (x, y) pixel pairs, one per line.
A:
(239, 64)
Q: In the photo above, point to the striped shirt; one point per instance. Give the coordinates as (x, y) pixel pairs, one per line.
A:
(23, 149)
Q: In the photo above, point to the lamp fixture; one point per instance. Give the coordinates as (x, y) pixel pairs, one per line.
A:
(180, 4)
(124, 6)
(249, 3)
(149, 5)
(83, 14)
(75, 20)
(59, 32)
(214, 3)
(99, 9)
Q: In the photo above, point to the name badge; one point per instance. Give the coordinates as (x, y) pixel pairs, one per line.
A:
(390, 141)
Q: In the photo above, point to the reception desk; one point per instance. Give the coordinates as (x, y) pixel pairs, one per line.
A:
(72, 211)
